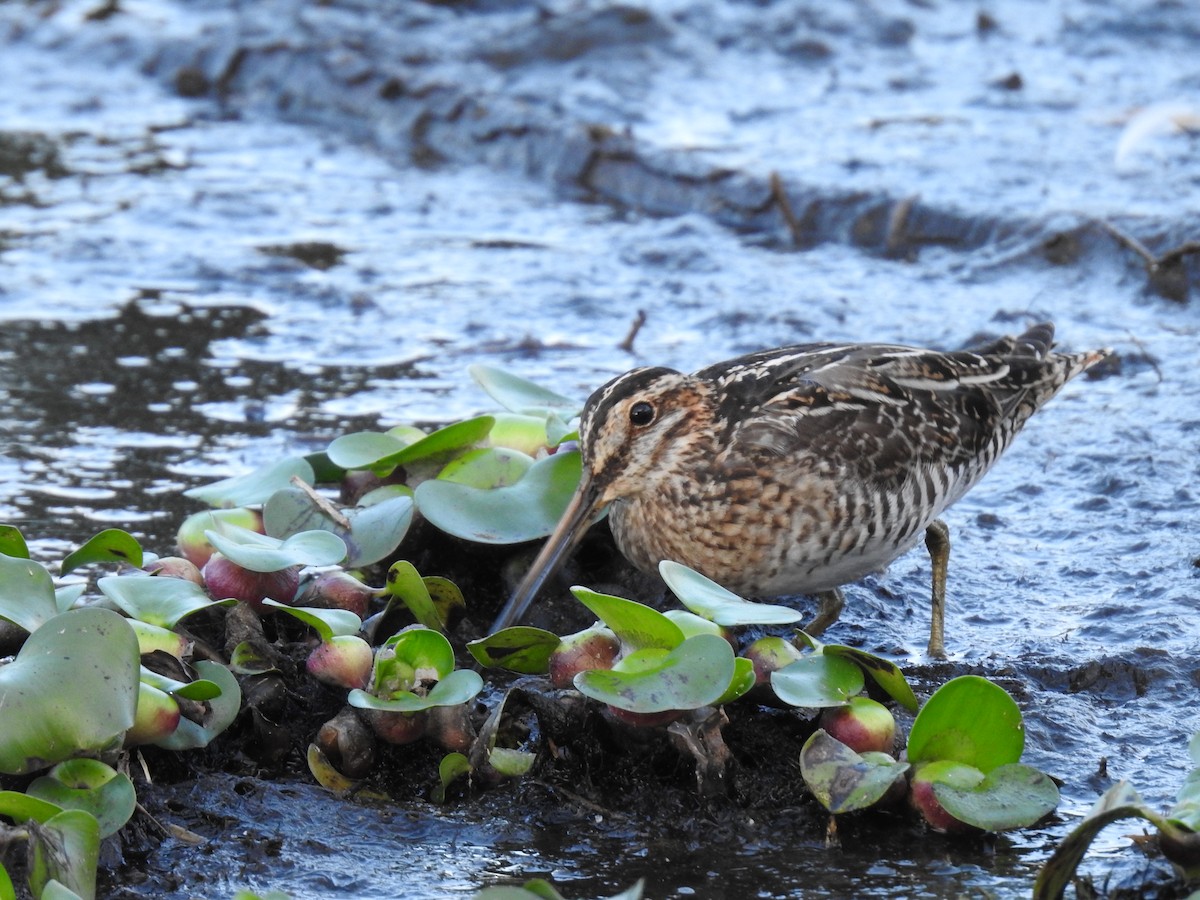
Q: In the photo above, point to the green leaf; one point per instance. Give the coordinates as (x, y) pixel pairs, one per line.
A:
(487, 468)
(527, 434)
(156, 601)
(525, 511)
(92, 786)
(1120, 801)
(818, 681)
(520, 649)
(68, 595)
(511, 763)
(110, 545)
(885, 672)
(706, 598)
(12, 542)
(690, 623)
(383, 452)
(445, 595)
(843, 780)
(7, 891)
(743, 680)
(72, 690)
(1010, 796)
(452, 767)
(325, 622)
(246, 659)
(255, 487)
(26, 593)
(970, 720)
(414, 648)
(694, 674)
(222, 710)
(405, 584)
(263, 553)
(519, 395)
(198, 689)
(65, 850)
(377, 525)
(637, 625)
(23, 808)
(457, 687)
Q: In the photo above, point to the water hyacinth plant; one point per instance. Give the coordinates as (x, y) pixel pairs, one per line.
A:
(271, 604)
(86, 682)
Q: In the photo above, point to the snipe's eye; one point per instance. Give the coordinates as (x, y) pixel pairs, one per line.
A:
(641, 413)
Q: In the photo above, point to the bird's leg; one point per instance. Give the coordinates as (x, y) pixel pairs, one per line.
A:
(831, 607)
(937, 541)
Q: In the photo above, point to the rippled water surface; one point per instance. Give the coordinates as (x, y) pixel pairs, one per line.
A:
(190, 287)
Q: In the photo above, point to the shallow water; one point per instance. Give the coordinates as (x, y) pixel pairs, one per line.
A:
(155, 335)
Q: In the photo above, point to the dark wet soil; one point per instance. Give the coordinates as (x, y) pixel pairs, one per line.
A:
(231, 232)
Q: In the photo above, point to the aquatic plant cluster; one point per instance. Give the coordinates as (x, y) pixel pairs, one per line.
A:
(99, 673)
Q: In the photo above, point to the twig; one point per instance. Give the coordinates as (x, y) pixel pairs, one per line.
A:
(779, 195)
(321, 503)
(1130, 242)
(581, 801)
(638, 321)
(1179, 252)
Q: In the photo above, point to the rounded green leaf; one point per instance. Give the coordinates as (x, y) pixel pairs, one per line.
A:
(519, 395)
(969, 720)
(12, 542)
(222, 710)
(706, 598)
(325, 622)
(1009, 796)
(487, 468)
(743, 680)
(690, 623)
(253, 488)
(383, 452)
(364, 449)
(637, 625)
(694, 674)
(420, 648)
(404, 583)
(66, 851)
(263, 553)
(457, 687)
(841, 779)
(72, 690)
(511, 763)
(110, 545)
(156, 601)
(452, 767)
(92, 786)
(377, 525)
(818, 681)
(23, 808)
(885, 673)
(520, 649)
(26, 593)
(528, 434)
(525, 511)
(199, 689)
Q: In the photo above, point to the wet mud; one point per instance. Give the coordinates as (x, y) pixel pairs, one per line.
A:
(233, 232)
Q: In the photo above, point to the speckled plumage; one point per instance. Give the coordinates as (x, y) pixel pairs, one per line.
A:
(798, 469)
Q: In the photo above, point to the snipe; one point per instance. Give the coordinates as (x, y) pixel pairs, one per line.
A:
(799, 469)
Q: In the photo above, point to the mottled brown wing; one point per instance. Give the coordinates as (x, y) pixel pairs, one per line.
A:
(878, 411)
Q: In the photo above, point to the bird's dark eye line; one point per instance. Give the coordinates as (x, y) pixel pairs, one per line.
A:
(641, 413)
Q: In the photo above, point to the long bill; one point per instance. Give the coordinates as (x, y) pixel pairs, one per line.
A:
(566, 536)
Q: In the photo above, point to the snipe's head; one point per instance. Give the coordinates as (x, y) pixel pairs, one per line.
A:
(633, 431)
